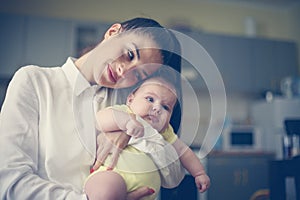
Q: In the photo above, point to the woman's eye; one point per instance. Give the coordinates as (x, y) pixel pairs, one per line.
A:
(130, 55)
(150, 99)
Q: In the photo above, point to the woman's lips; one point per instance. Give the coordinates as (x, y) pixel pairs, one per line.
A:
(111, 74)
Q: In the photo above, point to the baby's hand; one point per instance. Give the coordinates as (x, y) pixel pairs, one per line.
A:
(134, 128)
(202, 182)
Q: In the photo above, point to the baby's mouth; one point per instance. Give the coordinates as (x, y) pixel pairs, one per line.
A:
(153, 118)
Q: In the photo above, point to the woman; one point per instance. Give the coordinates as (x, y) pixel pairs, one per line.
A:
(47, 145)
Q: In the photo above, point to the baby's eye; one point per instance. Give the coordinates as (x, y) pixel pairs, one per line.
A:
(130, 55)
(150, 99)
(167, 108)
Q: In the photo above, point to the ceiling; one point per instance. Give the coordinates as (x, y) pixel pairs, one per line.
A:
(270, 3)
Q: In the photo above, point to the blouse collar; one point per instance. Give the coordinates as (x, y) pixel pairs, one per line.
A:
(76, 79)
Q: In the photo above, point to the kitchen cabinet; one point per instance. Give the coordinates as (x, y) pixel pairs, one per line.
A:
(232, 56)
(235, 63)
(48, 42)
(286, 56)
(272, 60)
(43, 41)
(33, 40)
(251, 65)
(263, 64)
(237, 175)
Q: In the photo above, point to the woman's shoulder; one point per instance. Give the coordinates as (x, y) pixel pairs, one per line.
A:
(34, 71)
(32, 75)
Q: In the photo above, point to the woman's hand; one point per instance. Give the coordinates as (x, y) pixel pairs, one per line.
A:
(113, 143)
(110, 143)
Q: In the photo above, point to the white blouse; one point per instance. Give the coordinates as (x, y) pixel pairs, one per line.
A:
(47, 134)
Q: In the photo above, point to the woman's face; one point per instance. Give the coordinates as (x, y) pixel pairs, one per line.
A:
(121, 61)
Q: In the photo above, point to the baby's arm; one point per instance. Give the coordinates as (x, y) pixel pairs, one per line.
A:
(110, 120)
(193, 165)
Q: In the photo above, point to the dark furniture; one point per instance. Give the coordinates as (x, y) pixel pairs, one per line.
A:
(292, 126)
(185, 191)
(237, 175)
(280, 170)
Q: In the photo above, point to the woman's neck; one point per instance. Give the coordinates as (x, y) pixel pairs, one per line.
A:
(80, 63)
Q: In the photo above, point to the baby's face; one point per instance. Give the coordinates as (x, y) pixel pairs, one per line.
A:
(154, 102)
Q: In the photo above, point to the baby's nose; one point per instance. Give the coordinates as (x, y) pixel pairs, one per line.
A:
(156, 108)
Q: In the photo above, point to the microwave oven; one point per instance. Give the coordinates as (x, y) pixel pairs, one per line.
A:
(242, 138)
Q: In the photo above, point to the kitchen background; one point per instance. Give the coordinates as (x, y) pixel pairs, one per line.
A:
(253, 43)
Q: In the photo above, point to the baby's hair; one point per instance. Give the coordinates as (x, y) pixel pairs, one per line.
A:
(158, 80)
(170, 76)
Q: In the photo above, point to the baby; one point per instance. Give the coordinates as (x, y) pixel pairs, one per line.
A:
(153, 145)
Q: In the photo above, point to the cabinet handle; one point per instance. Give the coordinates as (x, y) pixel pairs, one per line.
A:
(245, 177)
(241, 177)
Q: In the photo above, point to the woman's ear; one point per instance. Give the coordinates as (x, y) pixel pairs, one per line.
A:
(129, 99)
(113, 30)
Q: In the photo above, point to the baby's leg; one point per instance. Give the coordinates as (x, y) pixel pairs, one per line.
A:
(106, 185)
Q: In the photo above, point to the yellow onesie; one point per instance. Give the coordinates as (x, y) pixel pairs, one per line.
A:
(136, 167)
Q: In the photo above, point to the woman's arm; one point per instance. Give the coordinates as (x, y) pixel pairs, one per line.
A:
(110, 144)
(19, 148)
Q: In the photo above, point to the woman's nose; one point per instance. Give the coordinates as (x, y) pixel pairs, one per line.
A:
(123, 68)
(120, 69)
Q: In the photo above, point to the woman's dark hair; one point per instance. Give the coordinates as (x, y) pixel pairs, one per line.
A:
(164, 38)
(170, 50)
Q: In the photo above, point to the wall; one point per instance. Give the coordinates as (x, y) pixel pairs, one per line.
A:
(206, 15)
